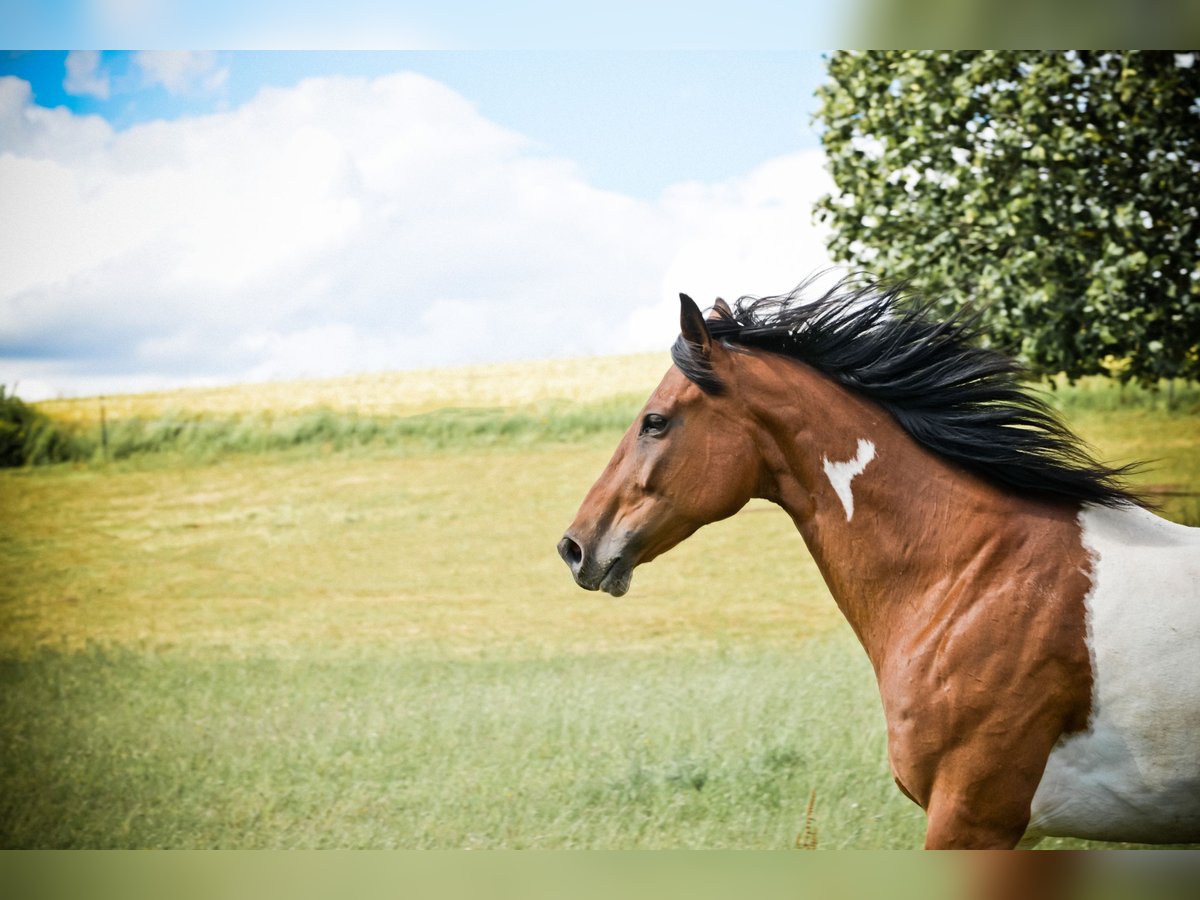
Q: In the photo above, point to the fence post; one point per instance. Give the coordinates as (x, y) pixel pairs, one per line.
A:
(103, 430)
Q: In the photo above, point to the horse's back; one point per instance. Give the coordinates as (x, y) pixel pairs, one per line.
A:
(1134, 773)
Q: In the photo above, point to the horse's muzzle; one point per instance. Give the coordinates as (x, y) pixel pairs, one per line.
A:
(611, 576)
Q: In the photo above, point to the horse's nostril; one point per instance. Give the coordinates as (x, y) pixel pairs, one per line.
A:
(571, 553)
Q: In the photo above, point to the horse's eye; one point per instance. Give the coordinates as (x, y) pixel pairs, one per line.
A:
(654, 424)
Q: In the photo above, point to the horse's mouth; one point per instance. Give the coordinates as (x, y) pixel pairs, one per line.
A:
(616, 580)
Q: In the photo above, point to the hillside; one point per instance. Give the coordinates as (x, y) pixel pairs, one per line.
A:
(389, 393)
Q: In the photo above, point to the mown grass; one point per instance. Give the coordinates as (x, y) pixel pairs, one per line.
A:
(376, 646)
(326, 555)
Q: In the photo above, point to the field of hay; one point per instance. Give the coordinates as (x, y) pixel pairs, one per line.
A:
(389, 393)
(374, 644)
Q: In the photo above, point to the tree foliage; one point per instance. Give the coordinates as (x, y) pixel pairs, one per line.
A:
(1060, 191)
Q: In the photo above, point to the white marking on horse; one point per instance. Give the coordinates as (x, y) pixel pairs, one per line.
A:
(1134, 775)
(841, 474)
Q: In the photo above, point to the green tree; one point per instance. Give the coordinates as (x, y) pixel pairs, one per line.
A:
(1059, 191)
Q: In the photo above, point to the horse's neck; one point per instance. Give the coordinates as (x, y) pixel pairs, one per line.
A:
(888, 522)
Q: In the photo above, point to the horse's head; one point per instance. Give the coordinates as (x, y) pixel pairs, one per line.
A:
(688, 459)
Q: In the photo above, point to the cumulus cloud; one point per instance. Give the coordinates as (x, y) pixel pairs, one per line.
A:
(347, 225)
(752, 234)
(84, 75)
(182, 71)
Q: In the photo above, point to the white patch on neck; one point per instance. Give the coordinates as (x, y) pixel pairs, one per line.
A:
(841, 474)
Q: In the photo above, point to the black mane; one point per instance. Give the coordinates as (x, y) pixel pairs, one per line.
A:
(963, 401)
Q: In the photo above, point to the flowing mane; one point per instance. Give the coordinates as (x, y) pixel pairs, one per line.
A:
(963, 401)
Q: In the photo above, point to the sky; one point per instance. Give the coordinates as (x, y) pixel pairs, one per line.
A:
(425, 25)
(182, 218)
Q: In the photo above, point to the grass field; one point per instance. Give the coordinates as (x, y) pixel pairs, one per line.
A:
(371, 643)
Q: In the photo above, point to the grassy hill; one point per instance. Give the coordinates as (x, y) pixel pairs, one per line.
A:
(578, 381)
(422, 410)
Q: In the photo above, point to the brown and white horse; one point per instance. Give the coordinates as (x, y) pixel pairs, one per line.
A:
(1035, 632)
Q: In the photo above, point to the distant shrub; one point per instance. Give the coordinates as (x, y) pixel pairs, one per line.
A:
(27, 437)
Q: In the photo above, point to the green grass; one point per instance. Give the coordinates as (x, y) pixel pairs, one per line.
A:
(1134, 425)
(376, 646)
(1182, 398)
(615, 750)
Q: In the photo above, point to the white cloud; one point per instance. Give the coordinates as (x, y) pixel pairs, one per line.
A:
(749, 235)
(84, 75)
(182, 71)
(346, 225)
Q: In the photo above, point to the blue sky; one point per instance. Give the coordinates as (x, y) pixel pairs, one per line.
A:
(210, 217)
(412, 24)
(635, 121)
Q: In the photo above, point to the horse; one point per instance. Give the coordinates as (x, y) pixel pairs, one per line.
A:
(1033, 627)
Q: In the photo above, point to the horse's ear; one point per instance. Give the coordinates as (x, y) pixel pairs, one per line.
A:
(720, 310)
(692, 325)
